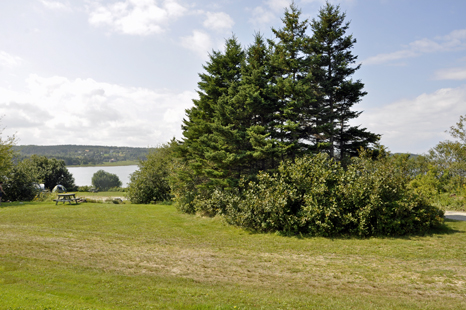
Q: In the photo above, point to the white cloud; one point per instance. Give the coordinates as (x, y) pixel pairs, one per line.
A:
(56, 5)
(57, 110)
(265, 14)
(456, 36)
(218, 21)
(334, 2)
(408, 125)
(451, 74)
(199, 42)
(136, 17)
(261, 16)
(384, 58)
(278, 5)
(456, 40)
(8, 60)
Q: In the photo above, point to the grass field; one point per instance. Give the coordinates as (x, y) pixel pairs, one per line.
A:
(101, 195)
(122, 256)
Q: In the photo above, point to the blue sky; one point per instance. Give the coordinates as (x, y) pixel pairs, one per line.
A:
(122, 72)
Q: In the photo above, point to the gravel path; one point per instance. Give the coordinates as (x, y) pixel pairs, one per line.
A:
(455, 215)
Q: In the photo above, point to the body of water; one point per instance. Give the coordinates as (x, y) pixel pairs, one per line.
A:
(83, 175)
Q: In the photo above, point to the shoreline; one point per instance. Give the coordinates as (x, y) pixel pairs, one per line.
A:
(115, 164)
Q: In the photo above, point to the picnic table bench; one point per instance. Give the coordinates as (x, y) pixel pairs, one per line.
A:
(66, 198)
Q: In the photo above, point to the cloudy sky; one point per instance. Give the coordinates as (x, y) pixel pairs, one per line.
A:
(122, 72)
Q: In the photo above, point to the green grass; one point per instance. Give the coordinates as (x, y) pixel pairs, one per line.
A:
(100, 194)
(106, 256)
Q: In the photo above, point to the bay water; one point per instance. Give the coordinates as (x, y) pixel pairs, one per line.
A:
(83, 175)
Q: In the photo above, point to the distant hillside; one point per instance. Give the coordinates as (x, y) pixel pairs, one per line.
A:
(84, 154)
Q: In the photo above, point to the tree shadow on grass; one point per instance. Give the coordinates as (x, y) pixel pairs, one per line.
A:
(443, 229)
(8, 204)
(19, 204)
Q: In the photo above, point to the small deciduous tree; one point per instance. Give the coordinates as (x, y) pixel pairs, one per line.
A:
(150, 181)
(6, 155)
(51, 172)
(18, 179)
(459, 131)
(450, 157)
(104, 180)
(20, 182)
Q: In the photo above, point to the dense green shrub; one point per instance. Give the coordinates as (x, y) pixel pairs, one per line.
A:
(20, 182)
(275, 202)
(427, 184)
(150, 181)
(117, 189)
(103, 180)
(186, 188)
(384, 204)
(84, 188)
(316, 196)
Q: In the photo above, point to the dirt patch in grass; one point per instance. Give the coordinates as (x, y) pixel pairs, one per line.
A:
(349, 273)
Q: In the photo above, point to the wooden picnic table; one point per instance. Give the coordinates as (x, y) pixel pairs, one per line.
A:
(69, 197)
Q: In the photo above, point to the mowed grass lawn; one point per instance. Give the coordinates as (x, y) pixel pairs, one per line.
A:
(122, 256)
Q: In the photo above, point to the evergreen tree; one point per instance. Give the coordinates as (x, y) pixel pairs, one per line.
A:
(292, 80)
(332, 69)
(238, 145)
(243, 115)
(268, 103)
(201, 147)
(262, 105)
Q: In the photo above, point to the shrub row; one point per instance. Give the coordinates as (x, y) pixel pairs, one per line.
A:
(316, 196)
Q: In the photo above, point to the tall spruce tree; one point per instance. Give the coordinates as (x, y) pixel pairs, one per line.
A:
(201, 147)
(238, 145)
(262, 104)
(292, 82)
(333, 66)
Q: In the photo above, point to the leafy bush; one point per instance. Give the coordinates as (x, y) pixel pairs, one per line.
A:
(117, 189)
(45, 196)
(150, 181)
(19, 184)
(316, 196)
(103, 180)
(84, 188)
(185, 186)
(427, 184)
(377, 191)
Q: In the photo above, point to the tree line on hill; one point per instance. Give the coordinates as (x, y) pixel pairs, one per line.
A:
(82, 154)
